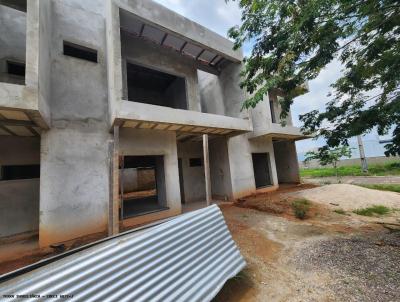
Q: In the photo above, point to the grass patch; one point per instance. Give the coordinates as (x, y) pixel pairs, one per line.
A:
(340, 211)
(382, 187)
(389, 168)
(300, 208)
(371, 211)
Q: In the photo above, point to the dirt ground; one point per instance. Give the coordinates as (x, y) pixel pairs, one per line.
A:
(326, 257)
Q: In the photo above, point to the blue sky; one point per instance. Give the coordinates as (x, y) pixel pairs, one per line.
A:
(219, 16)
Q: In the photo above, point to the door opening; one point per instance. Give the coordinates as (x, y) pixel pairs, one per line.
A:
(262, 169)
(142, 185)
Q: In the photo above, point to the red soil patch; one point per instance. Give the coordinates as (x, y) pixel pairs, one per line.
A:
(277, 202)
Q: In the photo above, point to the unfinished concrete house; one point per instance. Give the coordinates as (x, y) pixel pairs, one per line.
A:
(115, 113)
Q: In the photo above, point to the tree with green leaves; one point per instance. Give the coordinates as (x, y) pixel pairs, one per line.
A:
(329, 156)
(293, 40)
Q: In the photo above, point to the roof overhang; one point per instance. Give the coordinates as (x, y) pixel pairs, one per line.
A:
(157, 23)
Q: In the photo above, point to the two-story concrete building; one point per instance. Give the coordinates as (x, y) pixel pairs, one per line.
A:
(117, 112)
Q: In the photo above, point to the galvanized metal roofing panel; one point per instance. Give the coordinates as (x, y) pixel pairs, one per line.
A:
(187, 258)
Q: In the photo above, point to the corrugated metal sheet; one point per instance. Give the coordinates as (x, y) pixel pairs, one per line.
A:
(188, 258)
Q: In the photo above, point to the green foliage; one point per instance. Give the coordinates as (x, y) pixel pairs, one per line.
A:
(383, 187)
(390, 168)
(294, 40)
(300, 208)
(374, 210)
(326, 156)
(340, 211)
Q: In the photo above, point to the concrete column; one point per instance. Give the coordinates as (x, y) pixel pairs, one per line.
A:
(113, 215)
(207, 169)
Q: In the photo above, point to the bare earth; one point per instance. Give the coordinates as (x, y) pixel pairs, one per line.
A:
(350, 197)
(326, 257)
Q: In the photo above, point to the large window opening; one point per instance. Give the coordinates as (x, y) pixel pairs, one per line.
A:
(154, 87)
(142, 185)
(262, 169)
(19, 187)
(13, 42)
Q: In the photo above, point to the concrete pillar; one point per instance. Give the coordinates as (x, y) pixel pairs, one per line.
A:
(207, 169)
(113, 214)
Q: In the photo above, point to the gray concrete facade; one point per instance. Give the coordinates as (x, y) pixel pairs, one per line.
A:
(64, 110)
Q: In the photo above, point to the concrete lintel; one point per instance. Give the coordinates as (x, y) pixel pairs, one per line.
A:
(133, 111)
(159, 16)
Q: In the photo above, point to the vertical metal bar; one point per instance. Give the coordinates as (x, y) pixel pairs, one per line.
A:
(207, 169)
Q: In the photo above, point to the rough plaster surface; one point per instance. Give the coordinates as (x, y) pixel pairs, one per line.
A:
(193, 177)
(287, 165)
(74, 152)
(74, 183)
(19, 206)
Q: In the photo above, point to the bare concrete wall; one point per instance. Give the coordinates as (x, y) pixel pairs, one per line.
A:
(45, 46)
(75, 164)
(12, 41)
(193, 177)
(242, 175)
(211, 96)
(241, 164)
(137, 180)
(19, 206)
(261, 115)
(233, 95)
(221, 186)
(287, 166)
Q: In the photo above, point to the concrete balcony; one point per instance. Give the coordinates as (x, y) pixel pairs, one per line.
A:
(146, 116)
(277, 131)
(24, 83)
